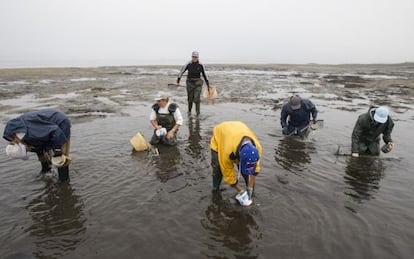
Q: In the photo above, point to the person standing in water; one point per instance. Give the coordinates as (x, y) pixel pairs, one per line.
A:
(367, 131)
(234, 144)
(194, 81)
(295, 116)
(45, 132)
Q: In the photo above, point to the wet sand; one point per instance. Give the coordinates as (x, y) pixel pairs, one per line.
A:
(309, 203)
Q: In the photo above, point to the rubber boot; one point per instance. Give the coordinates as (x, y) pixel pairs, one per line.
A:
(217, 178)
(190, 106)
(198, 108)
(45, 167)
(63, 173)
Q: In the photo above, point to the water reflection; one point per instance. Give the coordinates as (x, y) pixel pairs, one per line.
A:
(292, 153)
(231, 227)
(58, 222)
(168, 162)
(195, 147)
(362, 176)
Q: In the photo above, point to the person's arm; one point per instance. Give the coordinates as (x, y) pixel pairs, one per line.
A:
(252, 181)
(178, 122)
(153, 120)
(182, 71)
(386, 135)
(283, 117)
(203, 71)
(356, 134)
(313, 111)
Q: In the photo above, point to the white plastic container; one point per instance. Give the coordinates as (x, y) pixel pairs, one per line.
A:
(161, 132)
(243, 199)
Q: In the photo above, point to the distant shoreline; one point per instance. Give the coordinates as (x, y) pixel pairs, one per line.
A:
(258, 65)
(166, 63)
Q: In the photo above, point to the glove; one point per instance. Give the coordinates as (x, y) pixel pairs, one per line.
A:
(285, 130)
(387, 147)
(250, 192)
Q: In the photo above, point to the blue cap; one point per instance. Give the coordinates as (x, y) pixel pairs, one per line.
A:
(249, 155)
(381, 114)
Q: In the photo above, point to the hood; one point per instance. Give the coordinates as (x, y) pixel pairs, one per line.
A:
(16, 125)
(371, 113)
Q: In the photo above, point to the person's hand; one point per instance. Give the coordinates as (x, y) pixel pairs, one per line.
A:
(387, 147)
(68, 161)
(238, 188)
(158, 127)
(170, 134)
(313, 125)
(355, 155)
(48, 155)
(285, 130)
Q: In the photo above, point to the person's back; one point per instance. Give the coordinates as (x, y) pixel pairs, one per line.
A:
(45, 132)
(40, 128)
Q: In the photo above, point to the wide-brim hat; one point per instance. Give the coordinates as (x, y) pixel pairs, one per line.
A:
(161, 97)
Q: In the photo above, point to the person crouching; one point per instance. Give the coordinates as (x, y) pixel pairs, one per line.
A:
(232, 145)
(166, 119)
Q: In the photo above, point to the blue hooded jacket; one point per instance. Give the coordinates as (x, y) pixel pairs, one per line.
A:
(44, 129)
(298, 118)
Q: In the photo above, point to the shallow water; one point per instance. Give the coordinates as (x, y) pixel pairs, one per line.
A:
(309, 203)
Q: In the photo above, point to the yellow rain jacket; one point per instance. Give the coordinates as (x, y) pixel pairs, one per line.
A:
(226, 139)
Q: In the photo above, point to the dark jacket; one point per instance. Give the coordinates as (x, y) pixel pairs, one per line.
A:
(367, 133)
(195, 69)
(298, 118)
(44, 129)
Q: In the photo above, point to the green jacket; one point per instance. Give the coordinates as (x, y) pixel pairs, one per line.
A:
(366, 135)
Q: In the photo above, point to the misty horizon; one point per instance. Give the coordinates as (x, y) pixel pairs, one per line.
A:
(49, 33)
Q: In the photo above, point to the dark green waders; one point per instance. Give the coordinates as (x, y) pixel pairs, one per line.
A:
(194, 87)
(217, 175)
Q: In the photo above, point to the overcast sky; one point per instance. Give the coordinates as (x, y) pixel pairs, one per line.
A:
(89, 32)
